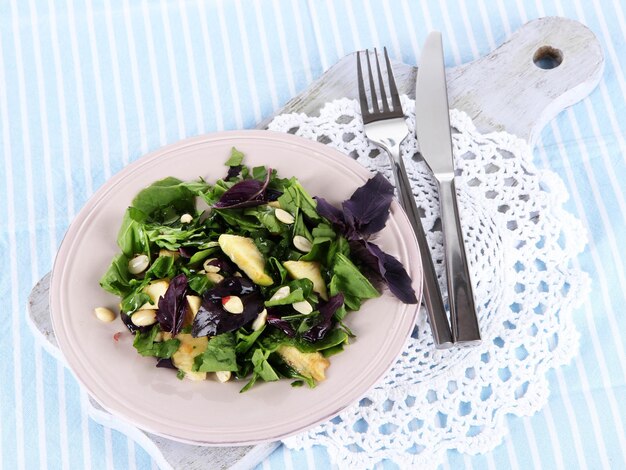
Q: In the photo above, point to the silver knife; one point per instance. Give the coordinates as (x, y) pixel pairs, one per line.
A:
(432, 125)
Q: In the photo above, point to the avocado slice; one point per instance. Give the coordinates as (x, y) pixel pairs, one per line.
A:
(184, 357)
(243, 252)
(155, 290)
(309, 270)
(311, 364)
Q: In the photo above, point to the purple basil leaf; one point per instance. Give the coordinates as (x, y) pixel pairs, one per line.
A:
(233, 172)
(367, 262)
(331, 213)
(212, 319)
(368, 208)
(246, 193)
(165, 362)
(321, 328)
(187, 251)
(280, 324)
(272, 194)
(394, 274)
(226, 266)
(230, 286)
(172, 305)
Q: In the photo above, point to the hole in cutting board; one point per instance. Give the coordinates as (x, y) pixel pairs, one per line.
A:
(548, 57)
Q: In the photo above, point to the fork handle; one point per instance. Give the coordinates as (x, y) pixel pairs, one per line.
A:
(432, 293)
(465, 328)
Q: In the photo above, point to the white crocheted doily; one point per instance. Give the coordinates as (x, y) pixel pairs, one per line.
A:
(520, 243)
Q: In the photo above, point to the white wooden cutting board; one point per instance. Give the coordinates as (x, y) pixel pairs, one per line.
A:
(504, 90)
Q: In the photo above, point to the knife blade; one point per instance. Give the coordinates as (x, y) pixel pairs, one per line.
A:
(432, 126)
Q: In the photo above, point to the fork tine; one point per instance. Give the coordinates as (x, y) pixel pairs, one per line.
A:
(362, 96)
(375, 107)
(382, 84)
(395, 97)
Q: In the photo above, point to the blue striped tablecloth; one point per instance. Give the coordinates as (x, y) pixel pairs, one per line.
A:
(88, 86)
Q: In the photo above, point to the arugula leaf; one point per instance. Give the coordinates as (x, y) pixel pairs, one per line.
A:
(162, 267)
(340, 245)
(333, 339)
(262, 368)
(235, 159)
(332, 350)
(172, 238)
(274, 339)
(133, 301)
(213, 194)
(277, 270)
(198, 187)
(132, 237)
(296, 295)
(246, 340)
(347, 279)
(219, 355)
(300, 228)
(202, 255)
(285, 370)
(146, 346)
(237, 218)
(323, 233)
(295, 197)
(322, 236)
(265, 215)
(116, 279)
(198, 283)
(300, 289)
(165, 200)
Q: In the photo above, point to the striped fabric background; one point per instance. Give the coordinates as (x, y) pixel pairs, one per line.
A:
(87, 86)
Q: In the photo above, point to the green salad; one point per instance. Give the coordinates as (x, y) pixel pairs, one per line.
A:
(255, 287)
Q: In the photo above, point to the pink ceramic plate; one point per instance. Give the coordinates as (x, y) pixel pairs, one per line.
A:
(211, 413)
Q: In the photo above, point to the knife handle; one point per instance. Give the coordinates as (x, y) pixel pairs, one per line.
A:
(460, 296)
(432, 294)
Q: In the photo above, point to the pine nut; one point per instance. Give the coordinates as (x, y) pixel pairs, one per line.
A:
(303, 307)
(223, 375)
(260, 320)
(210, 268)
(104, 314)
(214, 277)
(284, 216)
(281, 293)
(232, 304)
(186, 218)
(144, 317)
(302, 244)
(138, 264)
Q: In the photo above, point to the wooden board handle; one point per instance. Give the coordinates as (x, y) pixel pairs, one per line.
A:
(508, 90)
(504, 90)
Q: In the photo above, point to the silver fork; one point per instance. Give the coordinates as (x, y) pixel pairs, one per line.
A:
(385, 127)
